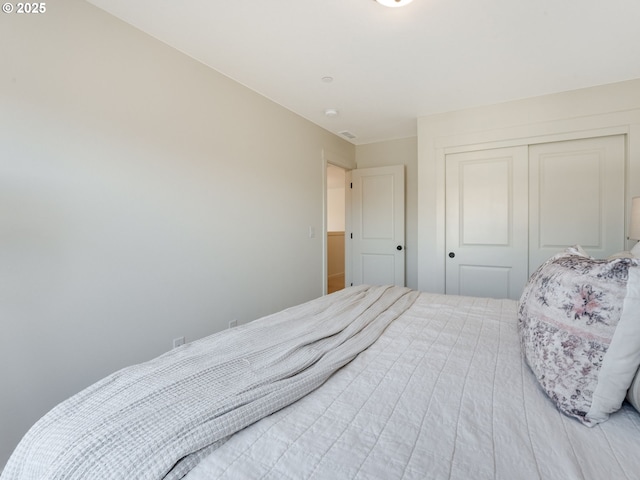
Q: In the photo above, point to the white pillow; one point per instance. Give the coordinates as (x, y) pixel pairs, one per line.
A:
(620, 255)
(633, 395)
(579, 322)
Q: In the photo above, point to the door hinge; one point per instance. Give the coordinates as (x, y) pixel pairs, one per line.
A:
(351, 235)
(351, 185)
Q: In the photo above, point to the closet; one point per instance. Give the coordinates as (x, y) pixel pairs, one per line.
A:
(508, 209)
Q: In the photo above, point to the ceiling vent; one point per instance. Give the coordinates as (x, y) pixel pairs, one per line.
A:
(347, 134)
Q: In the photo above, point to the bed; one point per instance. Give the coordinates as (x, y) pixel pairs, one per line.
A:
(371, 382)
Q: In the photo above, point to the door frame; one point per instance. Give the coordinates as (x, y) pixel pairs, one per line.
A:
(330, 158)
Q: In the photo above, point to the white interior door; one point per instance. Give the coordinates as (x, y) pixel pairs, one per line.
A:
(377, 243)
(577, 197)
(486, 222)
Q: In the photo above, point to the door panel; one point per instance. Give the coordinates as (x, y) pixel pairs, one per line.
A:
(378, 269)
(486, 222)
(484, 202)
(378, 226)
(577, 197)
(484, 281)
(378, 202)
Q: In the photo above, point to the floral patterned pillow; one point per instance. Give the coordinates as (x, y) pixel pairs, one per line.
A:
(579, 323)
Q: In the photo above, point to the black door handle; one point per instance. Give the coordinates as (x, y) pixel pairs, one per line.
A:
(451, 254)
(399, 247)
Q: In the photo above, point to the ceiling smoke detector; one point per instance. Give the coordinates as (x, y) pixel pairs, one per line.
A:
(331, 112)
(394, 3)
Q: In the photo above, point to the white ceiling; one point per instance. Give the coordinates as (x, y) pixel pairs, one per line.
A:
(392, 65)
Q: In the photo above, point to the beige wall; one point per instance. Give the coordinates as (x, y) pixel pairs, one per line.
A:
(399, 152)
(335, 199)
(143, 197)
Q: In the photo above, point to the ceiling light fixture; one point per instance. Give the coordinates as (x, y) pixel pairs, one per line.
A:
(394, 3)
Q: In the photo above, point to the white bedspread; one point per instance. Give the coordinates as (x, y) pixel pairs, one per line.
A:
(159, 418)
(443, 394)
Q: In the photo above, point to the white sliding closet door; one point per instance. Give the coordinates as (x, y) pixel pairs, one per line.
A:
(510, 209)
(576, 197)
(487, 222)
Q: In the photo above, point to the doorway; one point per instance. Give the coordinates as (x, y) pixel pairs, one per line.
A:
(336, 219)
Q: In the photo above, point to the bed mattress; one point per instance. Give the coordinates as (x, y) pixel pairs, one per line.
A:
(367, 383)
(443, 394)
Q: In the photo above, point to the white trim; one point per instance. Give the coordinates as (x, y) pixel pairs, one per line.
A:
(535, 140)
(335, 159)
(348, 228)
(325, 278)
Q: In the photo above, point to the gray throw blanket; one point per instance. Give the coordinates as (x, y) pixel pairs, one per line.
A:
(158, 419)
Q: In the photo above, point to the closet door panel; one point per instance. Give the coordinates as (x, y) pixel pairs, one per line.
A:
(576, 197)
(486, 222)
